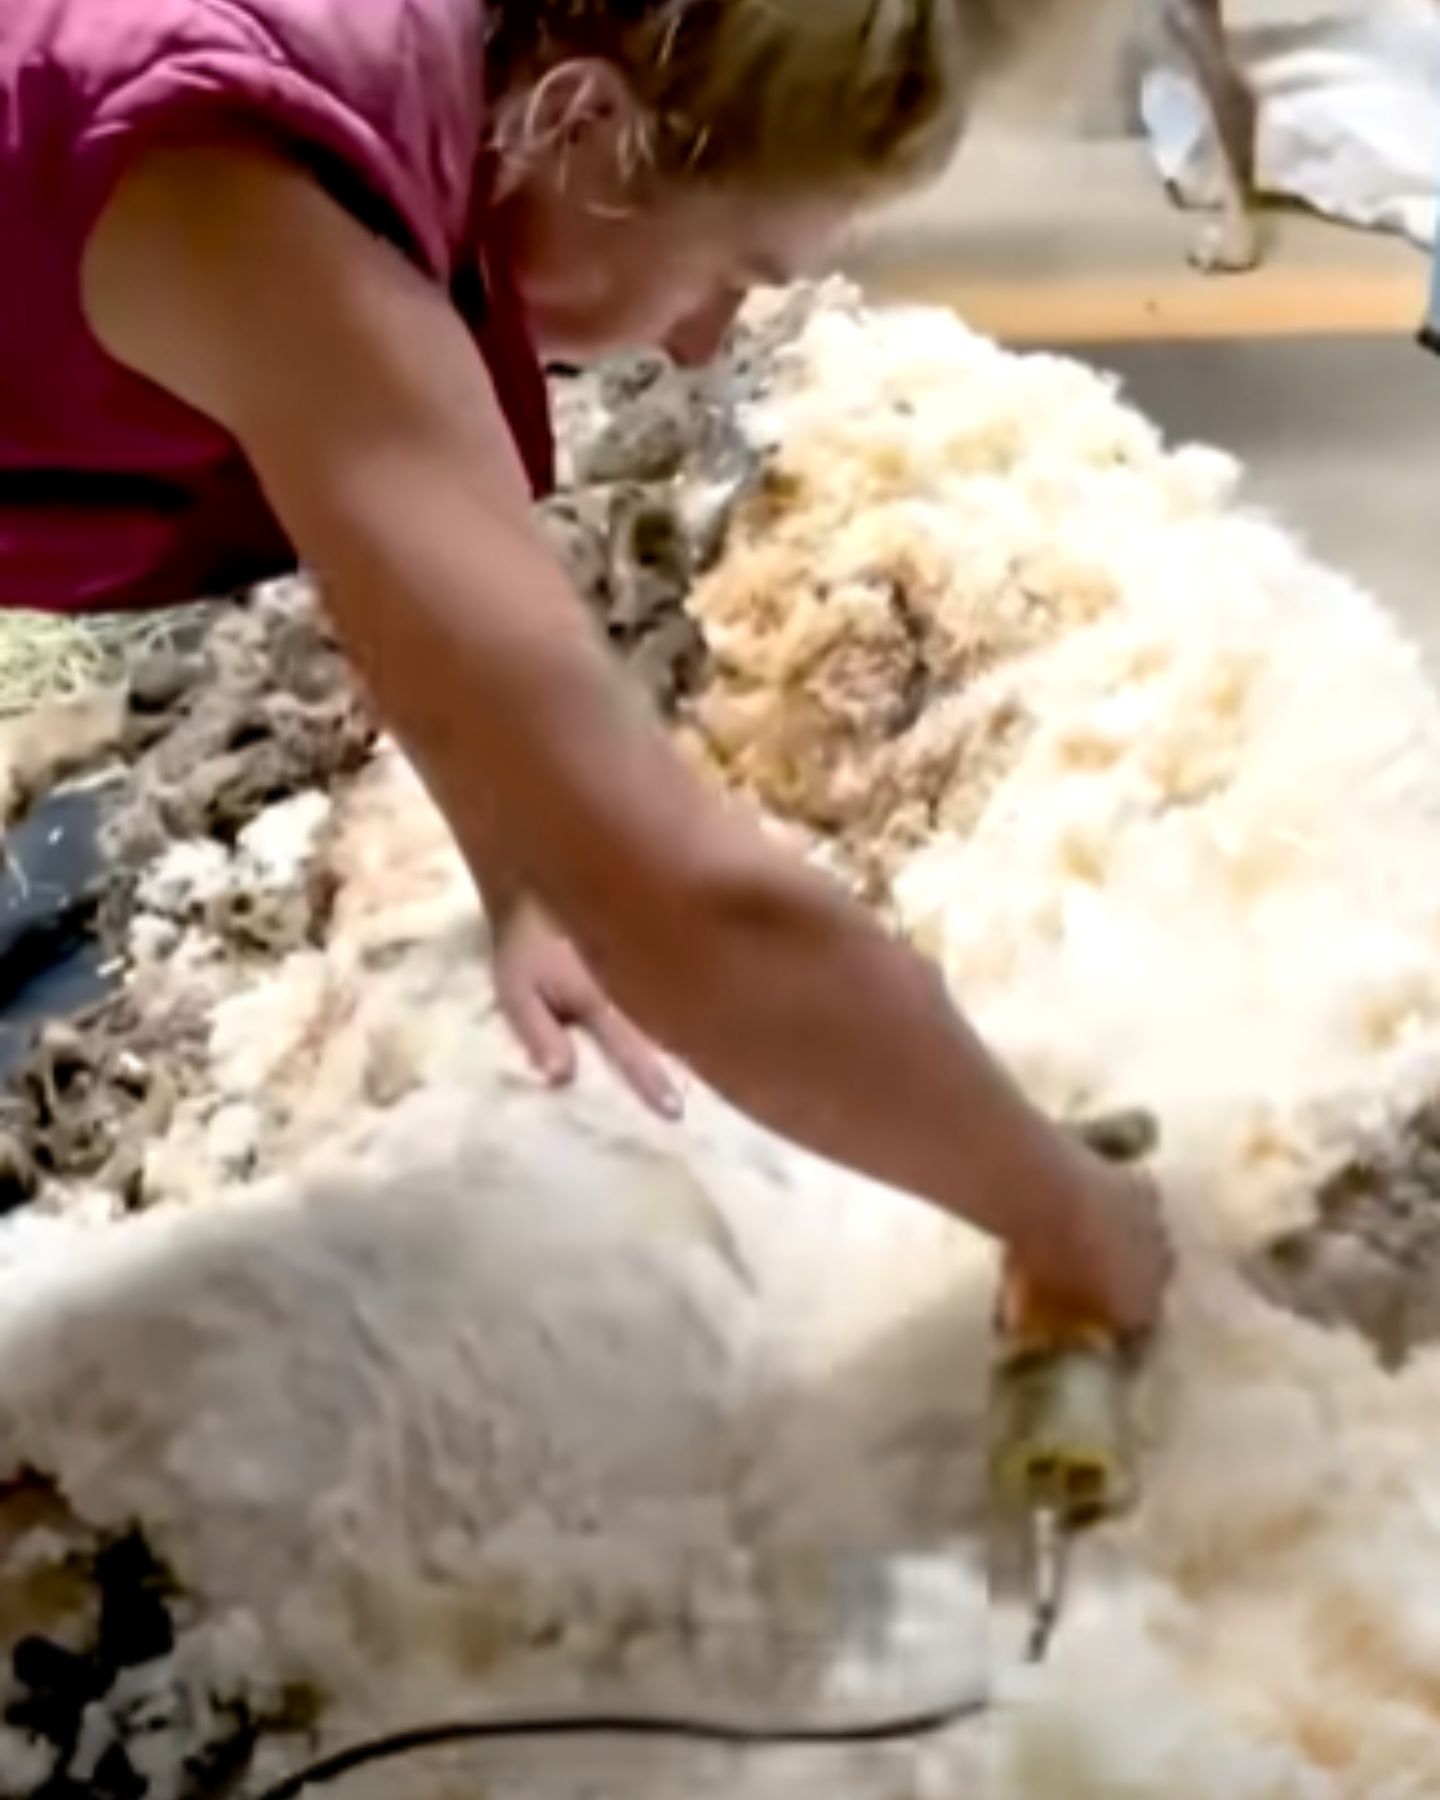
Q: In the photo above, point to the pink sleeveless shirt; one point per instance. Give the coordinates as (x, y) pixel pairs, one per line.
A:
(112, 494)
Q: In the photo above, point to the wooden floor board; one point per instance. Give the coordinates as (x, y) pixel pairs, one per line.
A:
(1036, 241)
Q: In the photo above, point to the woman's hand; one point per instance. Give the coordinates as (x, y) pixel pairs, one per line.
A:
(545, 990)
(1134, 1258)
(1107, 1256)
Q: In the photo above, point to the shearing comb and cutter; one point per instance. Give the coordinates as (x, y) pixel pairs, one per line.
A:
(1062, 1455)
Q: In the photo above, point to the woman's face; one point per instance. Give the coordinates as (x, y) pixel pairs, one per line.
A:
(602, 265)
(669, 273)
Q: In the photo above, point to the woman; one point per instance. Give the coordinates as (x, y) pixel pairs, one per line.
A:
(279, 276)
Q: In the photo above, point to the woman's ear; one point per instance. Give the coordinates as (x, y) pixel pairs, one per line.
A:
(581, 129)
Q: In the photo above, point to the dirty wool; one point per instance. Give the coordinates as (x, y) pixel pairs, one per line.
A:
(383, 1387)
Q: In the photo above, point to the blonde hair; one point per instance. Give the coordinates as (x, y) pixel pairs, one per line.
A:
(801, 95)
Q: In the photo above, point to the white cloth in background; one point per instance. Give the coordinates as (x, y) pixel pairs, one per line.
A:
(1349, 114)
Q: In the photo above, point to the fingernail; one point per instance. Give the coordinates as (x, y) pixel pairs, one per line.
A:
(672, 1105)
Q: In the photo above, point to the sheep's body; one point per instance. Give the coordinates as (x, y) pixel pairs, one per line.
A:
(499, 1395)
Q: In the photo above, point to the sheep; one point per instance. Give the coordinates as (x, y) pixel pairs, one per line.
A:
(439, 1381)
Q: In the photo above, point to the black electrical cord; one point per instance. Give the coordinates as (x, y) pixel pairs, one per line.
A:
(897, 1729)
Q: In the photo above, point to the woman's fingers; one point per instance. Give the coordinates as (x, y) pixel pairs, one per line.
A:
(542, 1034)
(545, 991)
(636, 1060)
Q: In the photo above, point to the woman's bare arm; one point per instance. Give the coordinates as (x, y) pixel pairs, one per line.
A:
(234, 282)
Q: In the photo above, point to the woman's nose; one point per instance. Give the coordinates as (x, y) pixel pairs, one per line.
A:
(699, 336)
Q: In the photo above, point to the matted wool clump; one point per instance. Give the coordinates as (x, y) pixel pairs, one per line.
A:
(431, 1392)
